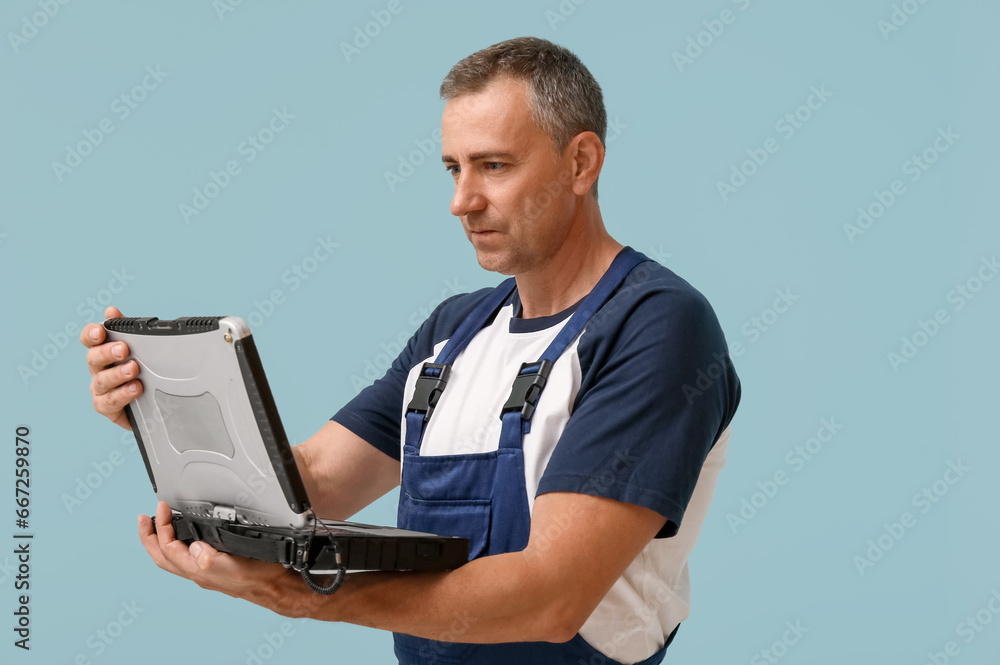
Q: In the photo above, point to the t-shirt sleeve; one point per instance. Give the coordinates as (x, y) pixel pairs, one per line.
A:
(655, 395)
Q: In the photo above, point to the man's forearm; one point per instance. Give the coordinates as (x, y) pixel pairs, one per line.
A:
(543, 593)
(501, 598)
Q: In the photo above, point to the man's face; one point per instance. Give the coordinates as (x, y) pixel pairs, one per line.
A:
(512, 191)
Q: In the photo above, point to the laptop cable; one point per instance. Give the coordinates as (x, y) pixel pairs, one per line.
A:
(341, 568)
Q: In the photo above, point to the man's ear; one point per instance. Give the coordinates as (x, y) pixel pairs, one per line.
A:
(587, 153)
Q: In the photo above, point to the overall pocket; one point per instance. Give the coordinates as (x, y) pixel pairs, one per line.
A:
(464, 518)
(467, 519)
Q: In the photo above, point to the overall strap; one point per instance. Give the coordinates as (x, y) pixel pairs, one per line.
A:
(476, 319)
(520, 406)
(433, 377)
(624, 262)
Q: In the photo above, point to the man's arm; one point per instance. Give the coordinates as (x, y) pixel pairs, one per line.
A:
(342, 472)
(578, 547)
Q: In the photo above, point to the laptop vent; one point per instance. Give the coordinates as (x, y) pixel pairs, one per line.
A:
(126, 325)
(200, 324)
(154, 326)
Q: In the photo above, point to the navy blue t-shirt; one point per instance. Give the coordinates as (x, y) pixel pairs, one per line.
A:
(631, 409)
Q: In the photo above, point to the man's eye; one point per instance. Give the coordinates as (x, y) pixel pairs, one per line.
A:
(453, 169)
(494, 166)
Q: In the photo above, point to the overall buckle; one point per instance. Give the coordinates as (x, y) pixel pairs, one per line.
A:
(526, 388)
(427, 391)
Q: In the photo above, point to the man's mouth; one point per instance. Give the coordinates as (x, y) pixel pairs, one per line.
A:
(480, 231)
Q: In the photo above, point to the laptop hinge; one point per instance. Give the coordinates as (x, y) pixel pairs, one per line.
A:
(227, 513)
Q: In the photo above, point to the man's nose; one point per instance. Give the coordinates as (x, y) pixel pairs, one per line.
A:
(468, 196)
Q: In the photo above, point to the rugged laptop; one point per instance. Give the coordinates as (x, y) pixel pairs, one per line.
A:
(216, 452)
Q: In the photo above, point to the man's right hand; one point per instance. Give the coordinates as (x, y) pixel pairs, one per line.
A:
(112, 387)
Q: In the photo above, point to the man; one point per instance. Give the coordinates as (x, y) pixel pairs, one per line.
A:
(569, 439)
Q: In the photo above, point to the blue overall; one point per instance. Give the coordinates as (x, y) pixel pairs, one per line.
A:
(482, 496)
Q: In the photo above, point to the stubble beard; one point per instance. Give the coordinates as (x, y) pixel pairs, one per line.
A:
(503, 261)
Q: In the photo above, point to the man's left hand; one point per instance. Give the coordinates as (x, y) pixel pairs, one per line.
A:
(269, 585)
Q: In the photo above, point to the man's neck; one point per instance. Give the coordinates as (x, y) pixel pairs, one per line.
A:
(568, 277)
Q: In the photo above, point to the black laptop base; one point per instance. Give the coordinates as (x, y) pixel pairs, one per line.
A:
(317, 550)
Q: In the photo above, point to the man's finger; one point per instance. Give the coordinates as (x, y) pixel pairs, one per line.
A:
(102, 355)
(164, 523)
(231, 575)
(92, 335)
(174, 551)
(211, 560)
(112, 377)
(152, 545)
(113, 402)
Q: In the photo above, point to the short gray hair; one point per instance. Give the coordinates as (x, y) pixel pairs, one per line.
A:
(565, 98)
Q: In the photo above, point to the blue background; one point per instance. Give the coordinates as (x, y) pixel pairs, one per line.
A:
(678, 127)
